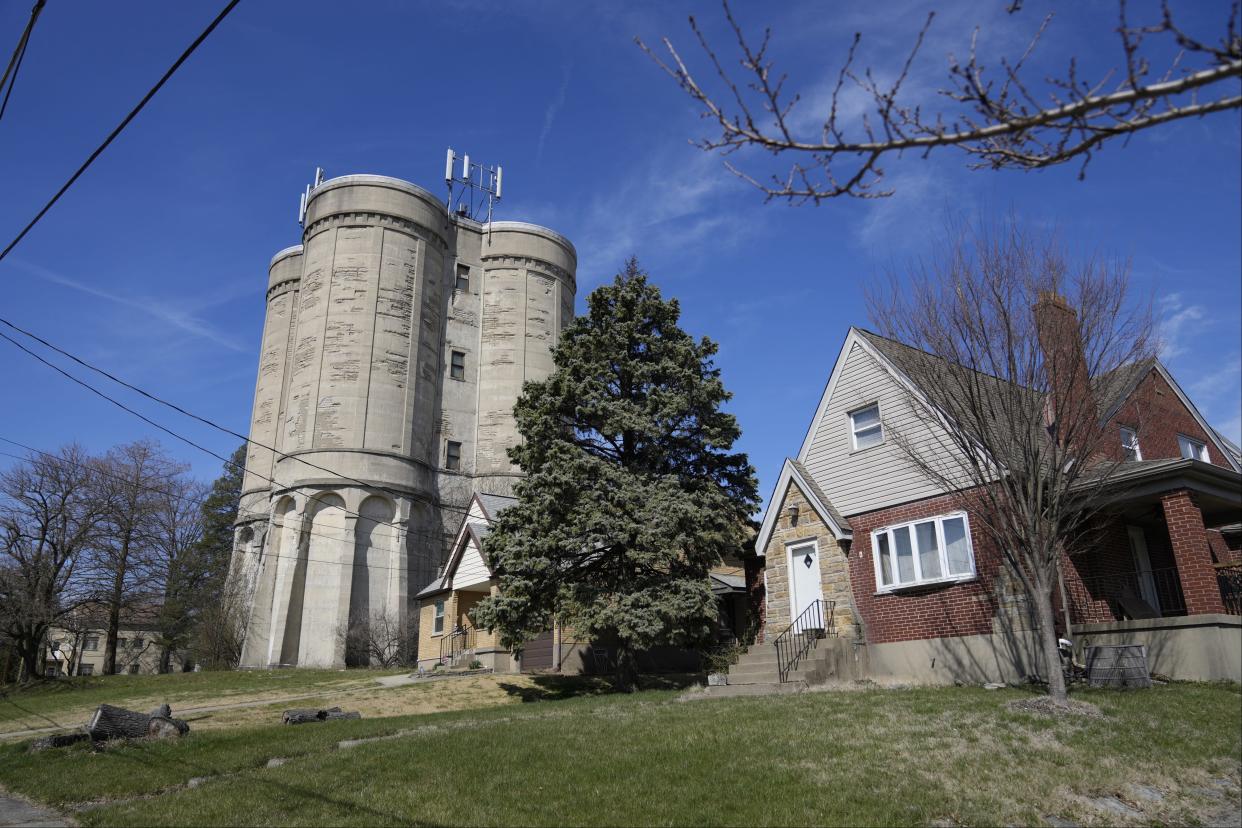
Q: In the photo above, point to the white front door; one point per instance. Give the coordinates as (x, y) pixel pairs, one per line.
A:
(1142, 564)
(804, 581)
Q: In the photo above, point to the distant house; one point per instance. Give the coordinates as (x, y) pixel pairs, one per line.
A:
(77, 648)
(920, 590)
(448, 636)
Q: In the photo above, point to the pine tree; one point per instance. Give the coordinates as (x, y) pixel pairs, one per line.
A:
(631, 490)
(218, 639)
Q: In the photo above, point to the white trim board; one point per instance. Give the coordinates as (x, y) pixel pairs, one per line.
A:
(790, 472)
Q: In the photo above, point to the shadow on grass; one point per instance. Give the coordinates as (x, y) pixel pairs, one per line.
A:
(552, 687)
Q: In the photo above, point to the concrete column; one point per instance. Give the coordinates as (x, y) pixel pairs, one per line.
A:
(397, 597)
(1192, 553)
(286, 544)
(258, 626)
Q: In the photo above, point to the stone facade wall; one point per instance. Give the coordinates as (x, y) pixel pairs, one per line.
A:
(833, 565)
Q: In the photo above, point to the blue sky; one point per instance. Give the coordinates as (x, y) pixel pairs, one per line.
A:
(154, 264)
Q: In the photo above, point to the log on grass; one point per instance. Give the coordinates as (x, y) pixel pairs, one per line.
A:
(117, 723)
(317, 715)
(111, 722)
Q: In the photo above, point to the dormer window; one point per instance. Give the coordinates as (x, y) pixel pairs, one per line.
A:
(1192, 449)
(1130, 444)
(865, 427)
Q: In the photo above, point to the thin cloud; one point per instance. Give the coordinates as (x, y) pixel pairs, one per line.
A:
(176, 317)
(1178, 323)
(549, 115)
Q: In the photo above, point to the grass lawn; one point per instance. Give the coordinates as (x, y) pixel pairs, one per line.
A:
(913, 756)
(229, 700)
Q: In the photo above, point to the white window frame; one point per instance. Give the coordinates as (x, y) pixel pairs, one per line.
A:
(437, 618)
(1198, 447)
(942, 548)
(854, 429)
(1133, 443)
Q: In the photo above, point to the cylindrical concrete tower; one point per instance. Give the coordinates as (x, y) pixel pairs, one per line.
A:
(528, 296)
(279, 323)
(396, 343)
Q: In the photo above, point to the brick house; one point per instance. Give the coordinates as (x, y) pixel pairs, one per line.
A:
(920, 592)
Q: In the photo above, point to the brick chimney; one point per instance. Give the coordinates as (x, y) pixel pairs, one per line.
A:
(1060, 339)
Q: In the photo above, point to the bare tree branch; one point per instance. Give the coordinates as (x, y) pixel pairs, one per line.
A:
(1005, 125)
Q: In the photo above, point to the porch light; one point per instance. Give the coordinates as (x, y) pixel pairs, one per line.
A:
(792, 511)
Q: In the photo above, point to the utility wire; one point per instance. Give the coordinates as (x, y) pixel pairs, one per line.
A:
(15, 62)
(121, 126)
(205, 421)
(164, 492)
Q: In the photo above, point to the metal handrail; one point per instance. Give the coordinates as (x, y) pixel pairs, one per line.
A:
(795, 642)
(455, 643)
(1229, 578)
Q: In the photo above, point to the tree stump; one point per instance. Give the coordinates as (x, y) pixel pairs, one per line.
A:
(165, 727)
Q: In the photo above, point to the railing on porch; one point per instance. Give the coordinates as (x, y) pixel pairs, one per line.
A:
(1229, 576)
(793, 644)
(1114, 596)
(459, 641)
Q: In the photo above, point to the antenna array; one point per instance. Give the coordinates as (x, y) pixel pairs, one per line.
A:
(305, 198)
(476, 187)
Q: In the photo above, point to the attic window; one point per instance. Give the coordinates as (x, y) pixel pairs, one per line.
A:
(462, 285)
(1192, 449)
(865, 427)
(1130, 444)
(452, 455)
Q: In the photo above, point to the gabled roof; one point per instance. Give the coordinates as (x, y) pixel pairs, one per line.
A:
(795, 472)
(491, 505)
(1111, 389)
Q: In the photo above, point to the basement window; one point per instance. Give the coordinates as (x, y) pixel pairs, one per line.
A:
(86, 669)
(1192, 449)
(865, 427)
(457, 365)
(462, 284)
(438, 626)
(1130, 444)
(928, 551)
(452, 455)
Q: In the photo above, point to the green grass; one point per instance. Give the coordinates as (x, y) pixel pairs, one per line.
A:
(854, 757)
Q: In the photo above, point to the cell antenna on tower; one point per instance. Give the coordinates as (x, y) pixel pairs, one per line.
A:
(304, 200)
(472, 187)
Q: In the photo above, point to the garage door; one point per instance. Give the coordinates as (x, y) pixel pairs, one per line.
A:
(538, 653)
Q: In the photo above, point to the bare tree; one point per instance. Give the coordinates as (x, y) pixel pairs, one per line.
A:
(178, 568)
(50, 518)
(1005, 119)
(1012, 350)
(133, 478)
(220, 630)
(377, 639)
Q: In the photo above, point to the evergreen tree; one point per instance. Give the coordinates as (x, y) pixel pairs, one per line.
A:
(631, 491)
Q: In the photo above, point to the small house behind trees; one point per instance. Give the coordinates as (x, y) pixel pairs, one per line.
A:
(918, 586)
(447, 635)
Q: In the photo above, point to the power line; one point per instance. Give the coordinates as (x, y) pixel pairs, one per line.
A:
(204, 420)
(423, 533)
(121, 126)
(15, 62)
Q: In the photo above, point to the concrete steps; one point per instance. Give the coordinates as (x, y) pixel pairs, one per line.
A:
(756, 672)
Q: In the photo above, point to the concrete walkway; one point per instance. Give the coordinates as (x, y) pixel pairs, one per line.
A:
(14, 812)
